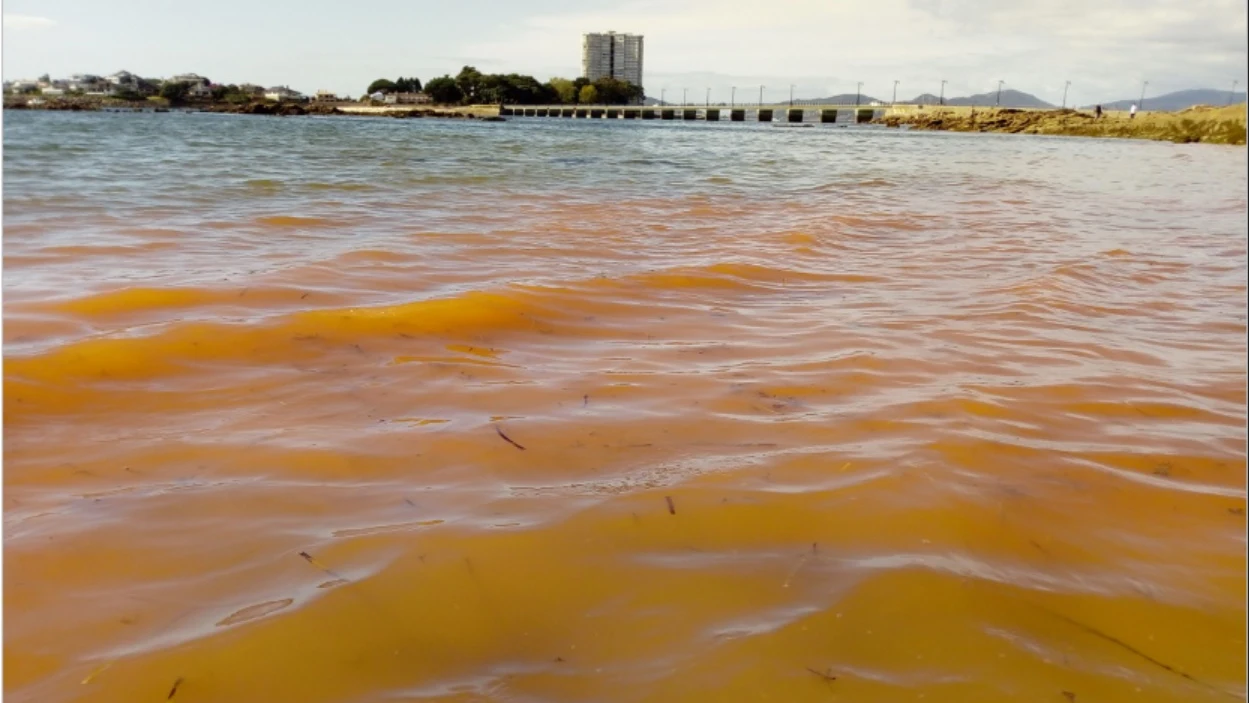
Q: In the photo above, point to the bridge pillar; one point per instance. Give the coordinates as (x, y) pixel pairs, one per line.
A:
(543, 112)
(689, 114)
(765, 115)
(737, 115)
(794, 114)
(668, 114)
(613, 113)
(582, 112)
(596, 113)
(631, 114)
(828, 116)
(648, 114)
(713, 115)
(567, 112)
(861, 116)
(531, 112)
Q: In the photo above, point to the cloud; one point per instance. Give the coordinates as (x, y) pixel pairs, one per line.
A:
(27, 22)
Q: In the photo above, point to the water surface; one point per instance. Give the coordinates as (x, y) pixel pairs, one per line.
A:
(568, 410)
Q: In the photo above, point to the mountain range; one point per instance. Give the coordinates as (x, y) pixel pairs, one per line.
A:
(1169, 102)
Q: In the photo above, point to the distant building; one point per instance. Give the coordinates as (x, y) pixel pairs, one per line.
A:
(256, 91)
(280, 93)
(612, 55)
(325, 96)
(406, 99)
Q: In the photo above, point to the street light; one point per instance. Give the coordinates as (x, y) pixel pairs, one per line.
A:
(895, 93)
(999, 94)
(857, 92)
(1141, 105)
(685, 96)
(760, 96)
(942, 98)
(733, 98)
(661, 96)
(1065, 87)
(708, 97)
(791, 94)
(1232, 95)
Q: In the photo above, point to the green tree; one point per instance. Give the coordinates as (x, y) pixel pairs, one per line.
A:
(588, 95)
(384, 85)
(444, 90)
(469, 81)
(175, 93)
(565, 91)
(616, 92)
(408, 85)
(128, 93)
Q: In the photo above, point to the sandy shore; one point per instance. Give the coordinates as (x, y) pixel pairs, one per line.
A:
(1221, 125)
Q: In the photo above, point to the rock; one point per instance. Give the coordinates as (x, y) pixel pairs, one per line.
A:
(493, 118)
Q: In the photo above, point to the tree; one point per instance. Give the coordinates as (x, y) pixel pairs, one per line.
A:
(588, 95)
(175, 93)
(408, 85)
(444, 90)
(565, 91)
(384, 85)
(469, 83)
(616, 92)
(128, 94)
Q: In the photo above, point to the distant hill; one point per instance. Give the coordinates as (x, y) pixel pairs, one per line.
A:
(1179, 100)
(1010, 98)
(842, 99)
(926, 99)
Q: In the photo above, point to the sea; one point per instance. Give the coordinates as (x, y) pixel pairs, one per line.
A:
(350, 409)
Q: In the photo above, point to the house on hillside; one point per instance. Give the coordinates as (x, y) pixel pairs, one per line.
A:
(325, 96)
(280, 93)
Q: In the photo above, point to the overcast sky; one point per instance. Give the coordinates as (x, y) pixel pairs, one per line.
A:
(1106, 48)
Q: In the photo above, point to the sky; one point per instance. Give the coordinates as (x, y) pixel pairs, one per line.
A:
(1106, 48)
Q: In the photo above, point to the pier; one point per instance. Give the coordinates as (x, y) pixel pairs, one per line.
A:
(782, 112)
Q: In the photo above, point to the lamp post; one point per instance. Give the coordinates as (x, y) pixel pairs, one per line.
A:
(1065, 87)
(661, 96)
(858, 91)
(733, 98)
(685, 92)
(760, 96)
(708, 101)
(942, 98)
(1232, 95)
(998, 103)
(791, 94)
(1141, 105)
(895, 93)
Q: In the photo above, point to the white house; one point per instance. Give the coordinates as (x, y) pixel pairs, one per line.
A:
(407, 99)
(280, 93)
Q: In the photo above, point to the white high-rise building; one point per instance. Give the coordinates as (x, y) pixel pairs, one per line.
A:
(612, 55)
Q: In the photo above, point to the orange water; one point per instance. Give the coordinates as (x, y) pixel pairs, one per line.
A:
(952, 419)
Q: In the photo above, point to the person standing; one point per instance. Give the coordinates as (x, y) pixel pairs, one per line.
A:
(1132, 111)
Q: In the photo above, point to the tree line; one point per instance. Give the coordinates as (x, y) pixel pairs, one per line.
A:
(471, 86)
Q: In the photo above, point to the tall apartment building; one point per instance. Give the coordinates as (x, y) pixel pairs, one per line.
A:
(613, 55)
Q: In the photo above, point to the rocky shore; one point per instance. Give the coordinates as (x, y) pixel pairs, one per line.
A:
(282, 109)
(1201, 124)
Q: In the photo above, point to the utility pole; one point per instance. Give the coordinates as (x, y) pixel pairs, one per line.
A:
(942, 98)
(661, 96)
(760, 96)
(999, 94)
(1232, 95)
(895, 93)
(1141, 105)
(733, 98)
(1065, 87)
(858, 91)
(685, 92)
(708, 103)
(791, 94)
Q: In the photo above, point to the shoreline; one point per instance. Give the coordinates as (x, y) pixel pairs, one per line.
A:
(1197, 125)
(488, 113)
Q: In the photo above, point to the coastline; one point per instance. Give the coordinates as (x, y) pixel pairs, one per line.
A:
(278, 109)
(1200, 124)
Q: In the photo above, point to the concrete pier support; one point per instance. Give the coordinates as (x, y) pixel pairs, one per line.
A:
(567, 112)
(765, 115)
(861, 116)
(631, 114)
(648, 114)
(596, 113)
(794, 114)
(828, 116)
(713, 115)
(583, 113)
(737, 115)
(531, 112)
(613, 114)
(668, 114)
(689, 114)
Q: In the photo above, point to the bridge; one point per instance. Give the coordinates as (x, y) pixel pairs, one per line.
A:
(783, 112)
